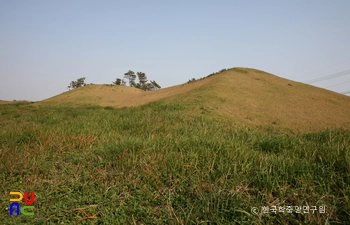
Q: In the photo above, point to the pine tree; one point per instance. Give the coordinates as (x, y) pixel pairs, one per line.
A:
(79, 83)
(130, 75)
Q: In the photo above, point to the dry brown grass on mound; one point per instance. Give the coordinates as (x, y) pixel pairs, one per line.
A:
(258, 98)
(5, 102)
(118, 96)
(12, 102)
(95, 95)
(247, 96)
(146, 97)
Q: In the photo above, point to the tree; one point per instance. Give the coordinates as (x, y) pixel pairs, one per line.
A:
(156, 84)
(142, 80)
(118, 81)
(191, 80)
(130, 75)
(79, 83)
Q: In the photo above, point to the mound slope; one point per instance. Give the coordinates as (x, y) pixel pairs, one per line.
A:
(117, 96)
(95, 95)
(244, 95)
(258, 98)
(13, 102)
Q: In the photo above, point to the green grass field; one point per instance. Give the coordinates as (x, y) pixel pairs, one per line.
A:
(159, 164)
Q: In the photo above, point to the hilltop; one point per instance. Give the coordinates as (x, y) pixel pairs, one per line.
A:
(247, 96)
(259, 98)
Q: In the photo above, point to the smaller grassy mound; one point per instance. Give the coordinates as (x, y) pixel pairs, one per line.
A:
(116, 96)
(13, 102)
(103, 95)
(5, 102)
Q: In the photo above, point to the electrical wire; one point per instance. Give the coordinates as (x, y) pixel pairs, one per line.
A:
(346, 59)
(330, 66)
(343, 73)
(338, 84)
(345, 92)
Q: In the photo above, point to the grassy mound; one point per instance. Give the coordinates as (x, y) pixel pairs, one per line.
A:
(246, 96)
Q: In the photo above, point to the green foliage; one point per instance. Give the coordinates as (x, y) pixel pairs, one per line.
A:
(118, 81)
(240, 70)
(78, 83)
(130, 75)
(191, 80)
(194, 80)
(272, 143)
(142, 84)
(160, 164)
(223, 70)
(109, 107)
(142, 79)
(153, 85)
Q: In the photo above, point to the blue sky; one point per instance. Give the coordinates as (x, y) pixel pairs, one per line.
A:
(46, 44)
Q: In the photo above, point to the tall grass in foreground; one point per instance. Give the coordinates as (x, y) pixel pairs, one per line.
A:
(161, 164)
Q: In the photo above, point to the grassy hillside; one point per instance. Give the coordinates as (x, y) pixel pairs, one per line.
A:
(257, 98)
(247, 96)
(13, 102)
(95, 95)
(198, 153)
(116, 96)
(158, 164)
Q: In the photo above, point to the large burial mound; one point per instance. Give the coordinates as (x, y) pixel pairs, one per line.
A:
(244, 95)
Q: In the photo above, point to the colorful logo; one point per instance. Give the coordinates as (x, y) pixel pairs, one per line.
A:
(19, 209)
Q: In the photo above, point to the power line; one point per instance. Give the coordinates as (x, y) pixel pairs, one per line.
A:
(345, 92)
(330, 66)
(345, 72)
(346, 59)
(338, 84)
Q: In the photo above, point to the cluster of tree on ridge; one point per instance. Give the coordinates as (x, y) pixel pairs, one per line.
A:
(194, 79)
(142, 83)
